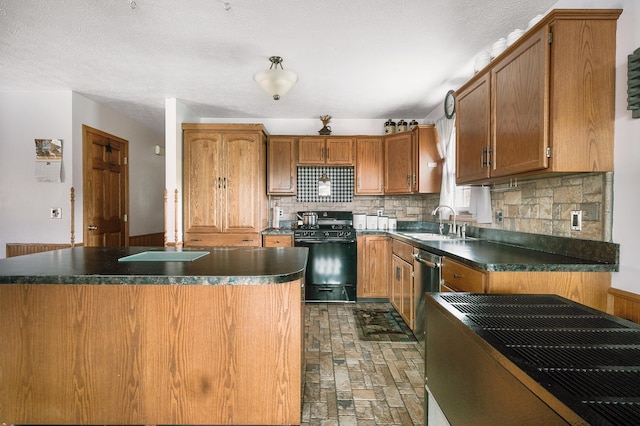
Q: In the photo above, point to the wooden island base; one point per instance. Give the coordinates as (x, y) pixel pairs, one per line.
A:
(151, 354)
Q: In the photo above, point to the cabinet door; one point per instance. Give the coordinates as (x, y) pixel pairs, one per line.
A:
(281, 166)
(373, 266)
(398, 158)
(241, 182)
(396, 282)
(369, 166)
(202, 182)
(520, 108)
(406, 293)
(339, 151)
(473, 117)
(427, 161)
(311, 151)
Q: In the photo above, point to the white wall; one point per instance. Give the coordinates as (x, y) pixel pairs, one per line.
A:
(25, 203)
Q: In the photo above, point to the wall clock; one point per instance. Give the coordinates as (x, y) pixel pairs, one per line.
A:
(449, 104)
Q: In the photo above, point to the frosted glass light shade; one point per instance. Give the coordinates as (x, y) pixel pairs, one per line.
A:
(276, 82)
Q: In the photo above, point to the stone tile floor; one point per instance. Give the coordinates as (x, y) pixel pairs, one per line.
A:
(353, 382)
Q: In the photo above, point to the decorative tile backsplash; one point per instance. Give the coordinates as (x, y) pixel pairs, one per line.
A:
(342, 180)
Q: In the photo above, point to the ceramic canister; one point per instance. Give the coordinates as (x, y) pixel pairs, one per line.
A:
(389, 127)
(393, 223)
(383, 223)
(402, 126)
(360, 221)
(372, 222)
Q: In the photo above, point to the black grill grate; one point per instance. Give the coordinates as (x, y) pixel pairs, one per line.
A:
(617, 413)
(598, 385)
(502, 299)
(552, 337)
(542, 321)
(483, 309)
(579, 357)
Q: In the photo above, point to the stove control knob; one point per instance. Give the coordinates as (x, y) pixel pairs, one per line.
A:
(326, 234)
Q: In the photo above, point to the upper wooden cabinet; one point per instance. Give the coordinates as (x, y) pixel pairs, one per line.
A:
(281, 166)
(545, 105)
(398, 163)
(412, 163)
(224, 184)
(322, 150)
(369, 166)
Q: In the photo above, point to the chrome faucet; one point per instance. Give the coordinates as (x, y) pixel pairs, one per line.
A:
(452, 229)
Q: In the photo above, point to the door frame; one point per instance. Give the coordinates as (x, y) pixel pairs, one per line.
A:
(87, 166)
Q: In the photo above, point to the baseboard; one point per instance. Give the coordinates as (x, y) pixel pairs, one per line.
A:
(151, 240)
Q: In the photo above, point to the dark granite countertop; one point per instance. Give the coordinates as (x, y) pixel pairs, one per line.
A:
(89, 265)
(493, 256)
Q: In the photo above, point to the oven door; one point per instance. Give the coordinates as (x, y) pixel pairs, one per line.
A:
(331, 271)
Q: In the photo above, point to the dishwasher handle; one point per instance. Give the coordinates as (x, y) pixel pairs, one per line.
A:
(429, 263)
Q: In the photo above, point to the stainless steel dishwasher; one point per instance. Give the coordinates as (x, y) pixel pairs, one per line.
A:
(426, 278)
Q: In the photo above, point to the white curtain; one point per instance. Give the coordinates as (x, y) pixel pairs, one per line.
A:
(447, 150)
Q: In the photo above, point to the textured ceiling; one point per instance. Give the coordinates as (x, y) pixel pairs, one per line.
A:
(355, 59)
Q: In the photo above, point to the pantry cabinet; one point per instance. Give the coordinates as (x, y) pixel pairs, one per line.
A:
(329, 151)
(369, 166)
(373, 266)
(545, 105)
(281, 166)
(225, 200)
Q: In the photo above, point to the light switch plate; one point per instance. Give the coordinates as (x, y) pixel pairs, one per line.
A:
(576, 220)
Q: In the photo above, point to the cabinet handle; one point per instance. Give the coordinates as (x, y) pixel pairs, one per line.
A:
(457, 276)
(219, 183)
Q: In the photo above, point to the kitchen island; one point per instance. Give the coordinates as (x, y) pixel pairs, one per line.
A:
(91, 338)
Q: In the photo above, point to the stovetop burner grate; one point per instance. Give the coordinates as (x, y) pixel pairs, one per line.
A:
(598, 384)
(480, 309)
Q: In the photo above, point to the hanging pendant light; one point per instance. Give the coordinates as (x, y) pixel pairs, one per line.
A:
(276, 82)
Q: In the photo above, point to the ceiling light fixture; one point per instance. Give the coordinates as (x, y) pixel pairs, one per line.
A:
(276, 82)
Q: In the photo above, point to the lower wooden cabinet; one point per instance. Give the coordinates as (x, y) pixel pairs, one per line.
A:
(459, 277)
(588, 288)
(373, 266)
(402, 295)
(277, 240)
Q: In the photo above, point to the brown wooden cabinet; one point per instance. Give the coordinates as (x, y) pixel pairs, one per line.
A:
(459, 277)
(402, 288)
(412, 162)
(550, 102)
(281, 166)
(398, 163)
(427, 163)
(373, 266)
(336, 151)
(278, 240)
(225, 200)
(369, 166)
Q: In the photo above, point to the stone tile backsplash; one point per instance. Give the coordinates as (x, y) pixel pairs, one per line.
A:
(538, 206)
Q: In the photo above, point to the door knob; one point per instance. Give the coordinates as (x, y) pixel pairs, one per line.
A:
(92, 227)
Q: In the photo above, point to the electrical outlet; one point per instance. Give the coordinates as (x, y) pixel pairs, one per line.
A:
(499, 216)
(380, 212)
(56, 213)
(576, 220)
(280, 213)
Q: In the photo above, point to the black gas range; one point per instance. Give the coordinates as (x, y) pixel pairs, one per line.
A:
(332, 266)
